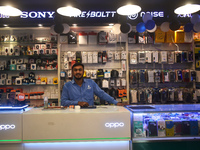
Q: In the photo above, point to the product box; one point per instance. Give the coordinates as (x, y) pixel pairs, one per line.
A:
(43, 80)
(177, 128)
(83, 38)
(185, 127)
(161, 128)
(12, 67)
(194, 127)
(152, 128)
(138, 129)
(92, 38)
(102, 37)
(169, 128)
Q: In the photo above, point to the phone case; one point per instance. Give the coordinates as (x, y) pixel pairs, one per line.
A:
(194, 127)
(152, 126)
(186, 127)
(161, 128)
(169, 128)
(177, 128)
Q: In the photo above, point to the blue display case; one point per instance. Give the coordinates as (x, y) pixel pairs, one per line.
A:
(165, 122)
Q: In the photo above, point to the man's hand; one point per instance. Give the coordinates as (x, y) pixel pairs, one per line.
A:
(121, 104)
(83, 104)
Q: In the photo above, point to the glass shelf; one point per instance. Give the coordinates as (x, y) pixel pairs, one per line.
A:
(32, 85)
(27, 42)
(35, 56)
(25, 70)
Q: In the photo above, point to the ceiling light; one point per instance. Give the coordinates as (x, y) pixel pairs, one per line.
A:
(5, 25)
(10, 11)
(69, 11)
(40, 25)
(128, 10)
(111, 24)
(187, 9)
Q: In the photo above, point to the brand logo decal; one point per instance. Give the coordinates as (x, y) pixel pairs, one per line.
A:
(155, 14)
(97, 14)
(89, 87)
(114, 125)
(7, 127)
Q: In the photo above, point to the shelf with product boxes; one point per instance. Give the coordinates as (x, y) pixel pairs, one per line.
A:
(104, 61)
(162, 72)
(25, 52)
(165, 122)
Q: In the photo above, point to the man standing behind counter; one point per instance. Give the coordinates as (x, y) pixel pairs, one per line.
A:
(81, 91)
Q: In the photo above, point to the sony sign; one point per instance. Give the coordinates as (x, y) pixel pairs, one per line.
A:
(155, 14)
(114, 125)
(38, 14)
(7, 127)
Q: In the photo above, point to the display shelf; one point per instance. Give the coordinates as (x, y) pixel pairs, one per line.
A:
(26, 56)
(27, 42)
(32, 85)
(25, 70)
(154, 139)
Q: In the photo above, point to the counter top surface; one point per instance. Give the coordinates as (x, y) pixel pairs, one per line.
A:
(98, 109)
(164, 108)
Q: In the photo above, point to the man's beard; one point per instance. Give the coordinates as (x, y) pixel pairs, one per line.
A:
(78, 78)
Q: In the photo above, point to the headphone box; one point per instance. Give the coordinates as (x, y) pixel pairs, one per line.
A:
(3, 76)
(41, 52)
(18, 81)
(2, 81)
(33, 66)
(8, 82)
(23, 66)
(13, 61)
(35, 52)
(37, 46)
(54, 51)
(17, 50)
(20, 61)
(12, 67)
(48, 51)
(55, 80)
(19, 67)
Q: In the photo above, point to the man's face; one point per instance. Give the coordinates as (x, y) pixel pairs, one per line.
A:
(78, 72)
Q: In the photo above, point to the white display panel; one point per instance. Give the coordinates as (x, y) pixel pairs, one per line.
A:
(10, 127)
(106, 123)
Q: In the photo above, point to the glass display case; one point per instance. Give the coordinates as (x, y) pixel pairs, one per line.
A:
(165, 122)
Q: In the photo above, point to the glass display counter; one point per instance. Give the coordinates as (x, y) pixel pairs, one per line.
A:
(158, 124)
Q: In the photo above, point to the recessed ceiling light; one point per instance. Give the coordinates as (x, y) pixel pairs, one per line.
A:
(69, 11)
(40, 25)
(128, 10)
(111, 24)
(10, 11)
(187, 9)
(5, 25)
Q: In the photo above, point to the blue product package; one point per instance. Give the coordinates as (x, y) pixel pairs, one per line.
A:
(193, 127)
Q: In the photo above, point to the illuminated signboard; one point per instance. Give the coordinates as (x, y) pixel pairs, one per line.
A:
(91, 14)
(7, 127)
(114, 124)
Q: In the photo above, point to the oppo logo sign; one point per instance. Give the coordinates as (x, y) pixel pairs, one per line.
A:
(7, 127)
(114, 125)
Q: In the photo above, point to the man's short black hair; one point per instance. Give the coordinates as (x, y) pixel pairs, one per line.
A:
(77, 64)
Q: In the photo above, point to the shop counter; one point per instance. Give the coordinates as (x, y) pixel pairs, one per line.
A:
(11, 126)
(105, 123)
(105, 127)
